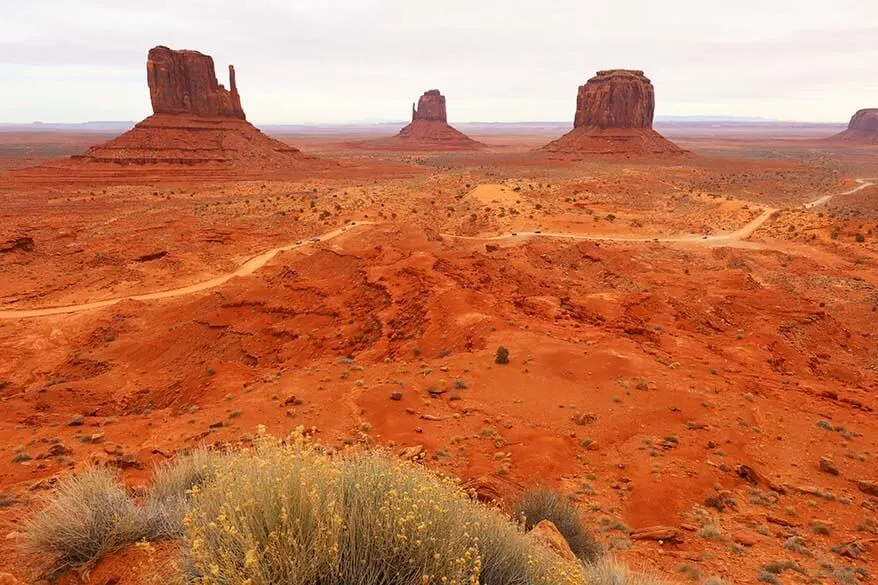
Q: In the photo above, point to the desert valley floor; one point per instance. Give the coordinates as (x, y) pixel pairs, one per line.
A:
(693, 340)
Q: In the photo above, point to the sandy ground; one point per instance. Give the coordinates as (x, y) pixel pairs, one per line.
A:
(705, 323)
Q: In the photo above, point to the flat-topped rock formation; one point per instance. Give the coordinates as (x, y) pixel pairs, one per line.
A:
(429, 130)
(197, 127)
(862, 129)
(184, 82)
(614, 114)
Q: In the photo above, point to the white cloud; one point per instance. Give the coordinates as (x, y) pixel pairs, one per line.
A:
(348, 60)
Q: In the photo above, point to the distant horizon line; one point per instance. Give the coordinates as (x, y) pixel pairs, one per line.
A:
(658, 118)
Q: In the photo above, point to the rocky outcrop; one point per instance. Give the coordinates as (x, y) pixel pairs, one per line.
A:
(547, 534)
(862, 129)
(614, 114)
(431, 106)
(618, 98)
(184, 82)
(198, 129)
(428, 131)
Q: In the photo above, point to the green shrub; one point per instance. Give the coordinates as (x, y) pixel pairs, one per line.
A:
(548, 504)
(286, 513)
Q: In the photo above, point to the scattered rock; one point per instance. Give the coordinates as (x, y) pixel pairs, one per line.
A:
(128, 461)
(828, 466)
(151, 257)
(583, 419)
(59, 450)
(851, 550)
(216, 425)
(659, 533)
(292, 401)
(17, 244)
(548, 535)
(77, 420)
(396, 395)
(754, 477)
(869, 487)
(748, 538)
(438, 388)
(431, 417)
(779, 521)
(414, 453)
(493, 489)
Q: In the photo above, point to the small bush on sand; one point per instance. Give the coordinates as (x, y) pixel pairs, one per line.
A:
(502, 356)
(607, 571)
(548, 504)
(286, 513)
(89, 516)
(169, 497)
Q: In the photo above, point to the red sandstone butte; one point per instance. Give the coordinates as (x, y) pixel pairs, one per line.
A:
(862, 129)
(428, 131)
(614, 114)
(198, 127)
(184, 82)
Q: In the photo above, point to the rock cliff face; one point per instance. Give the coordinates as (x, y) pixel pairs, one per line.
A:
(614, 113)
(863, 128)
(184, 82)
(431, 106)
(618, 98)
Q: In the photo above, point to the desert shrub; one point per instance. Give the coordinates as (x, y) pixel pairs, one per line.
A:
(548, 504)
(168, 499)
(286, 513)
(502, 356)
(89, 516)
(607, 571)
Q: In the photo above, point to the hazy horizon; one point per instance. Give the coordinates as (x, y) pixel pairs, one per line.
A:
(343, 61)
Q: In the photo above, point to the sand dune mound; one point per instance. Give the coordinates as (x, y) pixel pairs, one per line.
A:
(614, 114)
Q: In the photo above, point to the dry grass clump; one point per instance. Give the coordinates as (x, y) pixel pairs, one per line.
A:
(89, 516)
(547, 504)
(169, 497)
(607, 571)
(286, 513)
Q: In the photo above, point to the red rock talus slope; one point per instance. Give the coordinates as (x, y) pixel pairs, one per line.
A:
(614, 113)
(863, 128)
(429, 129)
(198, 127)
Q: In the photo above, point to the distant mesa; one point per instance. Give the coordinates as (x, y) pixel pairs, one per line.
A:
(614, 114)
(198, 126)
(428, 131)
(862, 129)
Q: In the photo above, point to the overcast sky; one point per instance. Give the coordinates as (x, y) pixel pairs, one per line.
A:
(313, 61)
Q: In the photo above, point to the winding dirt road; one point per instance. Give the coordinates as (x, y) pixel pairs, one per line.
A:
(736, 236)
(257, 262)
(247, 268)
